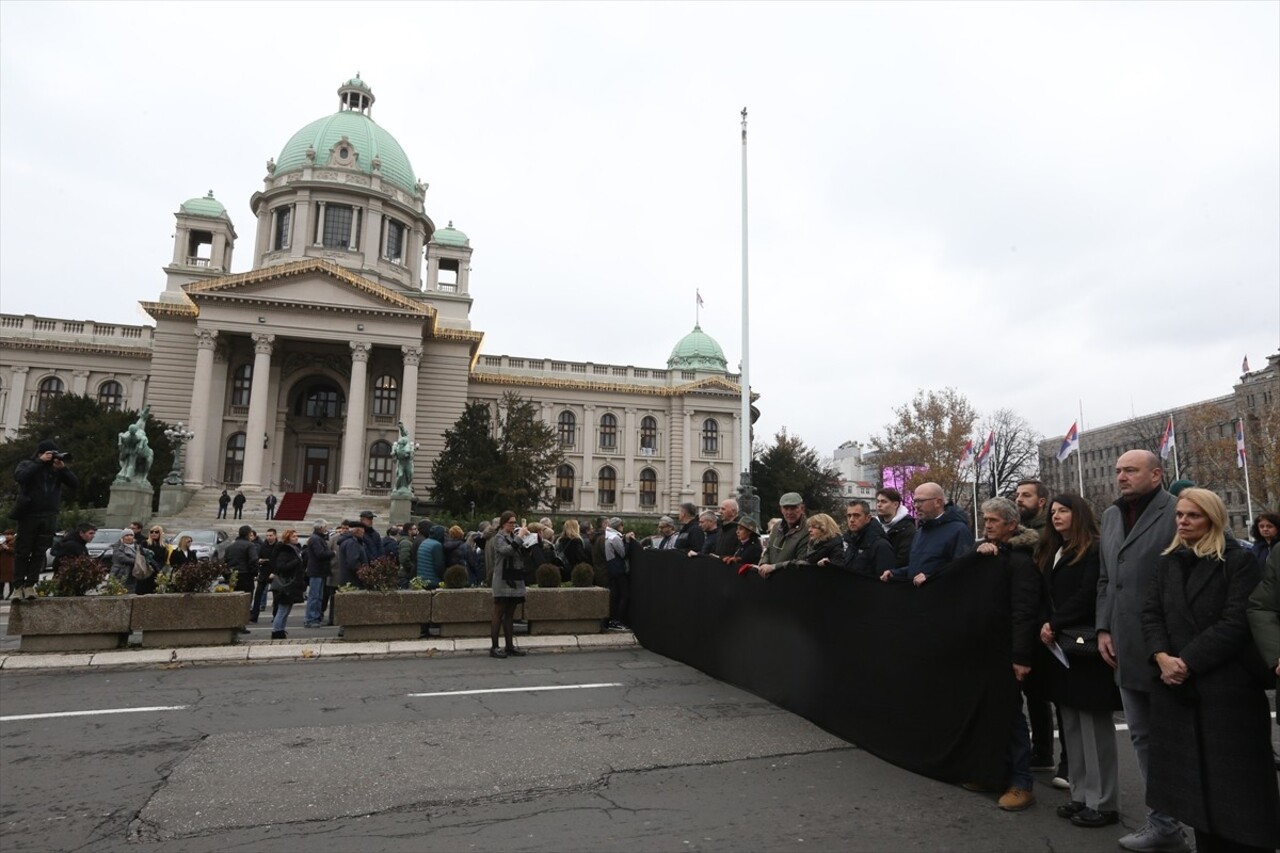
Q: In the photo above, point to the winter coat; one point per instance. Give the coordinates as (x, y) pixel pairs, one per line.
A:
(937, 542)
(506, 553)
(224, 500)
(787, 545)
(1264, 612)
(900, 533)
(372, 543)
(239, 501)
(691, 537)
(431, 561)
(1209, 762)
(1089, 684)
(868, 552)
(828, 549)
(287, 567)
(575, 552)
(319, 557)
(747, 553)
(241, 557)
(42, 484)
(68, 548)
(353, 556)
(726, 544)
(1026, 608)
(178, 559)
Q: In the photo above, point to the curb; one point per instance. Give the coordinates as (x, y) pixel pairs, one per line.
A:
(303, 650)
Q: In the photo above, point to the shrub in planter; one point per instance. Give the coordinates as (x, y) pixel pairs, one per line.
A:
(382, 575)
(547, 576)
(194, 576)
(76, 577)
(584, 574)
(456, 577)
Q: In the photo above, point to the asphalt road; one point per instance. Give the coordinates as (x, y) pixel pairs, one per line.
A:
(340, 755)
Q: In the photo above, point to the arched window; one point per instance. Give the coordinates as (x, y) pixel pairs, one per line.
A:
(385, 396)
(380, 464)
(648, 436)
(710, 489)
(111, 394)
(320, 400)
(564, 484)
(241, 385)
(608, 433)
(51, 388)
(648, 488)
(710, 437)
(233, 464)
(608, 486)
(568, 428)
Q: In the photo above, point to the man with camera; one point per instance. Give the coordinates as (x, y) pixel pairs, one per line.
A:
(40, 482)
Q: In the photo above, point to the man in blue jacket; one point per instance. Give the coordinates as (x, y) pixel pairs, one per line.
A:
(941, 536)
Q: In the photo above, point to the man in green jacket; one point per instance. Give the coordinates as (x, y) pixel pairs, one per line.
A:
(789, 538)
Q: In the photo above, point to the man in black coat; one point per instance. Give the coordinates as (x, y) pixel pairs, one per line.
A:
(727, 534)
(74, 544)
(866, 550)
(238, 504)
(41, 480)
(691, 536)
(266, 564)
(898, 526)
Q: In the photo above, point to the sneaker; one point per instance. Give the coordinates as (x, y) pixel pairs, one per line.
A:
(1016, 799)
(496, 652)
(1062, 783)
(1148, 838)
(1071, 809)
(1092, 819)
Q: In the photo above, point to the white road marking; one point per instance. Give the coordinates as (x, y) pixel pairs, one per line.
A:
(13, 717)
(522, 689)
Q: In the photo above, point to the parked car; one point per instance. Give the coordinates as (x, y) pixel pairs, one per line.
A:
(102, 545)
(205, 543)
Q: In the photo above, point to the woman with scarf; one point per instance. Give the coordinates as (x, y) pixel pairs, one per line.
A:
(288, 581)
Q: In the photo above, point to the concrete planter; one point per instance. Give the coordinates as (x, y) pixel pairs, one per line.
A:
(464, 612)
(397, 615)
(190, 619)
(568, 610)
(84, 623)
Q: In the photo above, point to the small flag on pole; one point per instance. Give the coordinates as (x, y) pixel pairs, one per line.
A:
(966, 455)
(1244, 367)
(1240, 443)
(1167, 440)
(699, 294)
(986, 448)
(1070, 442)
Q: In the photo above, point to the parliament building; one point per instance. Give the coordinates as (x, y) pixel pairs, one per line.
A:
(354, 316)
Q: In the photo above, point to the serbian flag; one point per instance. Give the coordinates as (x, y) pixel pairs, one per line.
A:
(1240, 443)
(698, 293)
(966, 455)
(1070, 442)
(1168, 440)
(986, 448)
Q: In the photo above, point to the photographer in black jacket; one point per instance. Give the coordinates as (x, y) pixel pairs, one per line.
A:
(40, 482)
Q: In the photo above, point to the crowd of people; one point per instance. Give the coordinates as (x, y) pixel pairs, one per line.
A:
(1155, 609)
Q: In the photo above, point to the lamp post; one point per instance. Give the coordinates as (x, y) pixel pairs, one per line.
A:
(178, 436)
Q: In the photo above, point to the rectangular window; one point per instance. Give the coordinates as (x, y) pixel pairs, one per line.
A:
(284, 216)
(395, 241)
(337, 226)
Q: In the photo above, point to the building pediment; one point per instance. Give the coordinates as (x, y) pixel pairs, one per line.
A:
(310, 283)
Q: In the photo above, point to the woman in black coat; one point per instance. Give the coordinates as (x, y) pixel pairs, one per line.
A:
(1086, 692)
(1210, 761)
(749, 550)
(182, 553)
(287, 581)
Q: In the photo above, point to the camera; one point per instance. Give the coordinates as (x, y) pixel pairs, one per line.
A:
(65, 457)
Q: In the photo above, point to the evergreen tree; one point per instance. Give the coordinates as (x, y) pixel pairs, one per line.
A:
(790, 465)
(465, 472)
(529, 452)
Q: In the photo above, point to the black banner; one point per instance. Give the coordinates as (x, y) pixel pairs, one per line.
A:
(919, 676)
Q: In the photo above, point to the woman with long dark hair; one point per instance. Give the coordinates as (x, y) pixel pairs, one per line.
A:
(508, 583)
(1085, 692)
(1265, 532)
(1210, 762)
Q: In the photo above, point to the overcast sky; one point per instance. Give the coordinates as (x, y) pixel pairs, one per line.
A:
(1035, 203)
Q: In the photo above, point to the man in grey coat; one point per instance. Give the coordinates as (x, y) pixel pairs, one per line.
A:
(1135, 529)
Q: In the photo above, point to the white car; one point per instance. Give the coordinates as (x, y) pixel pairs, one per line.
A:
(205, 544)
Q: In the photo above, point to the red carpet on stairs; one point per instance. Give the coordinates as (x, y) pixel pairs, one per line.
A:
(293, 506)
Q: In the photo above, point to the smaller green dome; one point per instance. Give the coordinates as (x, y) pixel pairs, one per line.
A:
(356, 83)
(450, 236)
(206, 206)
(697, 350)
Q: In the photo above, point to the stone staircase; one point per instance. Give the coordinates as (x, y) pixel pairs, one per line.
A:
(201, 513)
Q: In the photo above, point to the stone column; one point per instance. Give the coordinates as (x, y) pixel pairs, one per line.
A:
(137, 392)
(353, 450)
(201, 390)
(357, 219)
(180, 239)
(320, 226)
(301, 214)
(628, 448)
(371, 241)
(218, 253)
(409, 387)
(588, 442)
(79, 381)
(17, 394)
(256, 430)
(433, 271)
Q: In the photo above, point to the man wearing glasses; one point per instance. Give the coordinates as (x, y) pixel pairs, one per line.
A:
(941, 537)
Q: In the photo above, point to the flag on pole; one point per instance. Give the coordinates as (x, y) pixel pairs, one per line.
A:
(1070, 442)
(699, 294)
(1244, 367)
(1167, 440)
(966, 455)
(986, 448)
(1240, 443)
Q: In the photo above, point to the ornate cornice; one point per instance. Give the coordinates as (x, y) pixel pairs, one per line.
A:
(74, 347)
(170, 309)
(703, 386)
(303, 267)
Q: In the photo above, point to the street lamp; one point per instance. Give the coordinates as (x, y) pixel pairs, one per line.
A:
(178, 436)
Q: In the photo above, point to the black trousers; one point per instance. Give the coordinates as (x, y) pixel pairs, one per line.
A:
(1208, 843)
(34, 536)
(619, 596)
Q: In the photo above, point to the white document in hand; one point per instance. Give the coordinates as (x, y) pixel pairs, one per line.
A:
(1057, 653)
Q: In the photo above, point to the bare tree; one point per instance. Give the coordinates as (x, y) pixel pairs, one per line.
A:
(1014, 452)
(926, 438)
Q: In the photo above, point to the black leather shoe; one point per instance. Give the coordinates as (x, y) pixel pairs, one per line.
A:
(513, 652)
(1092, 819)
(1071, 809)
(497, 653)
(279, 635)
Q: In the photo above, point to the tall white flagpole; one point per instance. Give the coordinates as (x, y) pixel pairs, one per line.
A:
(747, 499)
(1173, 434)
(1080, 448)
(1244, 459)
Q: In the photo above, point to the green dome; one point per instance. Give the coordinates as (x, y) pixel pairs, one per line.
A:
(366, 137)
(697, 350)
(357, 83)
(206, 206)
(450, 236)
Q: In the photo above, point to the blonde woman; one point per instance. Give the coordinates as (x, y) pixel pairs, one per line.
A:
(826, 546)
(572, 547)
(182, 554)
(1210, 757)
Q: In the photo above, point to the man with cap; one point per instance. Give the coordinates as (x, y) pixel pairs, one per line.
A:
(789, 538)
(40, 482)
(372, 541)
